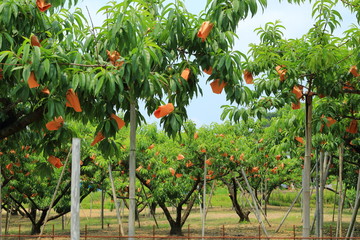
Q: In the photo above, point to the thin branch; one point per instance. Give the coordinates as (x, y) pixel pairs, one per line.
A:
(22, 123)
(350, 4)
(345, 58)
(70, 64)
(94, 33)
(23, 208)
(351, 117)
(84, 65)
(352, 91)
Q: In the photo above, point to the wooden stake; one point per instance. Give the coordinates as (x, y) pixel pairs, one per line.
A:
(102, 207)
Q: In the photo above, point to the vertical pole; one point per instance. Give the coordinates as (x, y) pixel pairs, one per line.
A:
(85, 231)
(321, 192)
(91, 203)
(265, 202)
(19, 231)
(102, 207)
(350, 231)
(115, 201)
(294, 232)
(223, 231)
(188, 231)
(75, 190)
(330, 231)
(339, 220)
(204, 202)
(317, 211)
(307, 166)
(53, 231)
(335, 196)
(132, 164)
(0, 204)
(120, 234)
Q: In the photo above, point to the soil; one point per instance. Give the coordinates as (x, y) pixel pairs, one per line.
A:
(220, 222)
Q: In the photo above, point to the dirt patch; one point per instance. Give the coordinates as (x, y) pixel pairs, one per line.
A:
(220, 222)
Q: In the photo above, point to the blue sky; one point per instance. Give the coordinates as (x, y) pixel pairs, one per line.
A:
(296, 18)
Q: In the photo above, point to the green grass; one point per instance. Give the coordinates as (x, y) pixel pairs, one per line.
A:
(221, 198)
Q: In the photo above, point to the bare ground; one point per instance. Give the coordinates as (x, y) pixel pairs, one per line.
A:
(220, 222)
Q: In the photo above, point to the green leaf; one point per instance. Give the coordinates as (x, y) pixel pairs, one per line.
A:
(59, 108)
(174, 123)
(36, 58)
(26, 52)
(75, 81)
(99, 85)
(50, 109)
(245, 116)
(228, 63)
(26, 72)
(110, 86)
(46, 64)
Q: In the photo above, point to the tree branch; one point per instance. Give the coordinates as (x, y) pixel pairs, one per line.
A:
(352, 91)
(22, 123)
(23, 208)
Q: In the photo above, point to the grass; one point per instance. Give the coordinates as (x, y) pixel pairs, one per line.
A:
(220, 217)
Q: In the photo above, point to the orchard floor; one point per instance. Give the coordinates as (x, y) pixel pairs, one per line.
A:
(220, 222)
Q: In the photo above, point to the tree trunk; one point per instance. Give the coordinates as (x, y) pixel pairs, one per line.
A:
(176, 229)
(180, 219)
(35, 228)
(232, 188)
(153, 208)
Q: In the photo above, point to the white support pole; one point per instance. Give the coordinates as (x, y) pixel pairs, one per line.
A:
(351, 229)
(115, 201)
(204, 202)
(75, 190)
(257, 212)
(54, 195)
(321, 192)
(307, 167)
(210, 197)
(132, 177)
(251, 206)
(341, 197)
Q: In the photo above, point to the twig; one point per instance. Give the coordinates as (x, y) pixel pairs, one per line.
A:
(94, 33)
(70, 64)
(344, 59)
(349, 3)
(83, 65)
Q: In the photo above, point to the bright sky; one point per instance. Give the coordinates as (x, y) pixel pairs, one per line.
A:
(296, 18)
